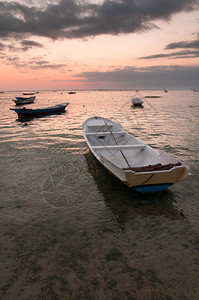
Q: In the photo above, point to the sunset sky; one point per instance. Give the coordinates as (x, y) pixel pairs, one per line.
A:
(91, 44)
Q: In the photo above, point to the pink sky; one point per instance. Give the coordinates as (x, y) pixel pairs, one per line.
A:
(118, 44)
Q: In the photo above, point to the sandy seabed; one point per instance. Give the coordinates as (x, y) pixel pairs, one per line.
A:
(43, 258)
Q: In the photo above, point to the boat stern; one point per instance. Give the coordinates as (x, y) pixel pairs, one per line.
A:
(147, 182)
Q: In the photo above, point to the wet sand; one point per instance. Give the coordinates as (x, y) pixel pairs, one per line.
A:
(44, 255)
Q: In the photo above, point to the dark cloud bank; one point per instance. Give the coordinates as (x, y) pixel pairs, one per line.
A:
(82, 19)
(148, 77)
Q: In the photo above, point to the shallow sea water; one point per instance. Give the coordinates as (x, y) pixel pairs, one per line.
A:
(69, 229)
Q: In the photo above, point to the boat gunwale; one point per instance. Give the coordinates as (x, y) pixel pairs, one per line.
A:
(167, 167)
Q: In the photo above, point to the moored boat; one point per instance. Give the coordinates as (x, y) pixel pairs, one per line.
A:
(27, 113)
(135, 163)
(28, 93)
(153, 97)
(24, 100)
(137, 102)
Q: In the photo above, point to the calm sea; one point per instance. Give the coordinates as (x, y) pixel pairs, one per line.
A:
(62, 213)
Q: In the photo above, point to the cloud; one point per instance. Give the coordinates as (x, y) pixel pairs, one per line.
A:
(191, 44)
(179, 54)
(49, 66)
(81, 19)
(194, 44)
(157, 77)
(36, 63)
(27, 45)
(12, 60)
(2, 46)
(41, 62)
(24, 45)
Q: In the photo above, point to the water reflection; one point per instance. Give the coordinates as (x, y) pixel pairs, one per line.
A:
(126, 204)
(137, 107)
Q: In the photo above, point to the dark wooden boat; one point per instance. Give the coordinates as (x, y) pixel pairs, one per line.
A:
(28, 112)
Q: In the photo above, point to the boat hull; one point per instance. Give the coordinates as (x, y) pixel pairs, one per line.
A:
(39, 113)
(26, 94)
(148, 182)
(137, 105)
(30, 113)
(151, 188)
(137, 102)
(170, 176)
(23, 100)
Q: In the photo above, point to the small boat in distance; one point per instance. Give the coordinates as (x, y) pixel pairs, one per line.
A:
(153, 97)
(30, 113)
(71, 93)
(24, 100)
(136, 164)
(137, 102)
(28, 93)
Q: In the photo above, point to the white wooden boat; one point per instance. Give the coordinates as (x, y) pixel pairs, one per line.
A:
(137, 101)
(136, 164)
(24, 100)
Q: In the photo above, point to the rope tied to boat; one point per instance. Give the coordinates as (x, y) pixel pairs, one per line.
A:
(148, 179)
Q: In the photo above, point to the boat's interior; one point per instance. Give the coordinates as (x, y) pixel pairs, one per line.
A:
(123, 149)
(106, 138)
(134, 158)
